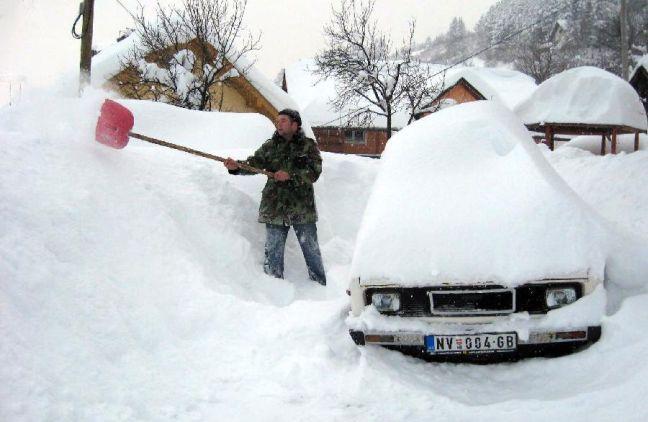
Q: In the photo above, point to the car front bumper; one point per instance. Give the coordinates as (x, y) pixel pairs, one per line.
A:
(537, 343)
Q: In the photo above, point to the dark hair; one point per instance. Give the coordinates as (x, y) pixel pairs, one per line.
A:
(292, 114)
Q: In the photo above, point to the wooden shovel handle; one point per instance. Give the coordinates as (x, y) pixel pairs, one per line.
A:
(198, 153)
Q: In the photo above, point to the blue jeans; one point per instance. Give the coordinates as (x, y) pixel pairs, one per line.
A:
(276, 244)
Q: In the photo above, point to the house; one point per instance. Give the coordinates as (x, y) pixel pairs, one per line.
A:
(335, 131)
(639, 80)
(462, 85)
(585, 101)
(247, 90)
(558, 32)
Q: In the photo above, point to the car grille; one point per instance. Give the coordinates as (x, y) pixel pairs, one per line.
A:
(471, 300)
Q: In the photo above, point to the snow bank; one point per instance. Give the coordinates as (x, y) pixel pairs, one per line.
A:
(203, 130)
(625, 143)
(586, 95)
(131, 289)
(464, 194)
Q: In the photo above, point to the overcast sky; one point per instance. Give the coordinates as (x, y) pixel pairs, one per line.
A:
(37, 44)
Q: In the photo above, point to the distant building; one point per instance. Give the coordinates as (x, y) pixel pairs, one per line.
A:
(335, 130)
(639, 80)
(558, 32)
(509, 87)
(247, 90)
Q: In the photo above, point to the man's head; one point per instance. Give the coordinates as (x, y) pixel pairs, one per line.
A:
(288, 123)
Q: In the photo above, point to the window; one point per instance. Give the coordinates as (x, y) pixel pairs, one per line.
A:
(354, 136)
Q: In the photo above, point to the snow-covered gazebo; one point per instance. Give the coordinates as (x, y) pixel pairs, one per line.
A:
(585, 101)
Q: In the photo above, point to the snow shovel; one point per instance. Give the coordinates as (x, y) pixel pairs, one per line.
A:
(116, 121)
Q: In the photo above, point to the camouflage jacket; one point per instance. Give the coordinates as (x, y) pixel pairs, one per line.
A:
(290, 202)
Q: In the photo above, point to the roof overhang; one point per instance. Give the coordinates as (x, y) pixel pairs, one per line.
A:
(582, 128)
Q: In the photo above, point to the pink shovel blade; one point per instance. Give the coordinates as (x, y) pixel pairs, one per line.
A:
(113, 125)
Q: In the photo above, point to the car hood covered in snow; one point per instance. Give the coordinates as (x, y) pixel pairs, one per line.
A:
(464, 195)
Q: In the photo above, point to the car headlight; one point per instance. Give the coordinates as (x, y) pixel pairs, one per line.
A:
(386, 302)
(560, 296)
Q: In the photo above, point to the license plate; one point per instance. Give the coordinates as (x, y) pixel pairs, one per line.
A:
(473, 343)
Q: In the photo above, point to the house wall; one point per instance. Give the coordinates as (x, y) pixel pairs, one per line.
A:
(239, 95)
(460, 94)
(232, 100)
(333, 139)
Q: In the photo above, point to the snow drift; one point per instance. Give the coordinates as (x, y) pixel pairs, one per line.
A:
(131, 289)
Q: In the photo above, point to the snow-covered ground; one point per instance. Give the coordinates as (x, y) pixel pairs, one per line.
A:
(131, 289)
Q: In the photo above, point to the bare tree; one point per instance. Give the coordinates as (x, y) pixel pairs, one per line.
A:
(539, 57)
(368, 69)
(420, 88)
(187, 55)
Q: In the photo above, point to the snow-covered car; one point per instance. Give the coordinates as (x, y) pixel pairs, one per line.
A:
(472, 245)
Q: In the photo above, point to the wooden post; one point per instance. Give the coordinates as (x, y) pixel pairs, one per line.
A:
(624, 40)
(549, 137)
(603, 144)
(86, 44)
(613, 149)
(636, 143)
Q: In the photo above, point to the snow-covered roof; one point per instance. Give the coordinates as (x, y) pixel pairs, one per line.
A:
(106, 64)
(584, 95)
(643, 63)
(314, 95)
(465, 195)
(509, 87)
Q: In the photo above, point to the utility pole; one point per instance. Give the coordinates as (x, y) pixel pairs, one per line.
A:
(624, 40)
(86, 43)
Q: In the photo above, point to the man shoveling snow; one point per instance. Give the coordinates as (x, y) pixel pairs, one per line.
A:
(288, 199)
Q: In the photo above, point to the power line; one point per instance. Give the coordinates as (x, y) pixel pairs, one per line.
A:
(501, 41)
(126, 9)
(508, 37)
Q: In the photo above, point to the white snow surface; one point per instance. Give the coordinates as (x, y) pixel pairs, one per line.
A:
(131, 286)
(509, 87)
(592, 143)
(586, 95)
(202, 130)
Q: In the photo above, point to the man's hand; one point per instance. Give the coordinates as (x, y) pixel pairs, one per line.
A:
(281, 176)
(231, 164)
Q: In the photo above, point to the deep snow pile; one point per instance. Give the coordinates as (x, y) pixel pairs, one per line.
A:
(131, 289)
